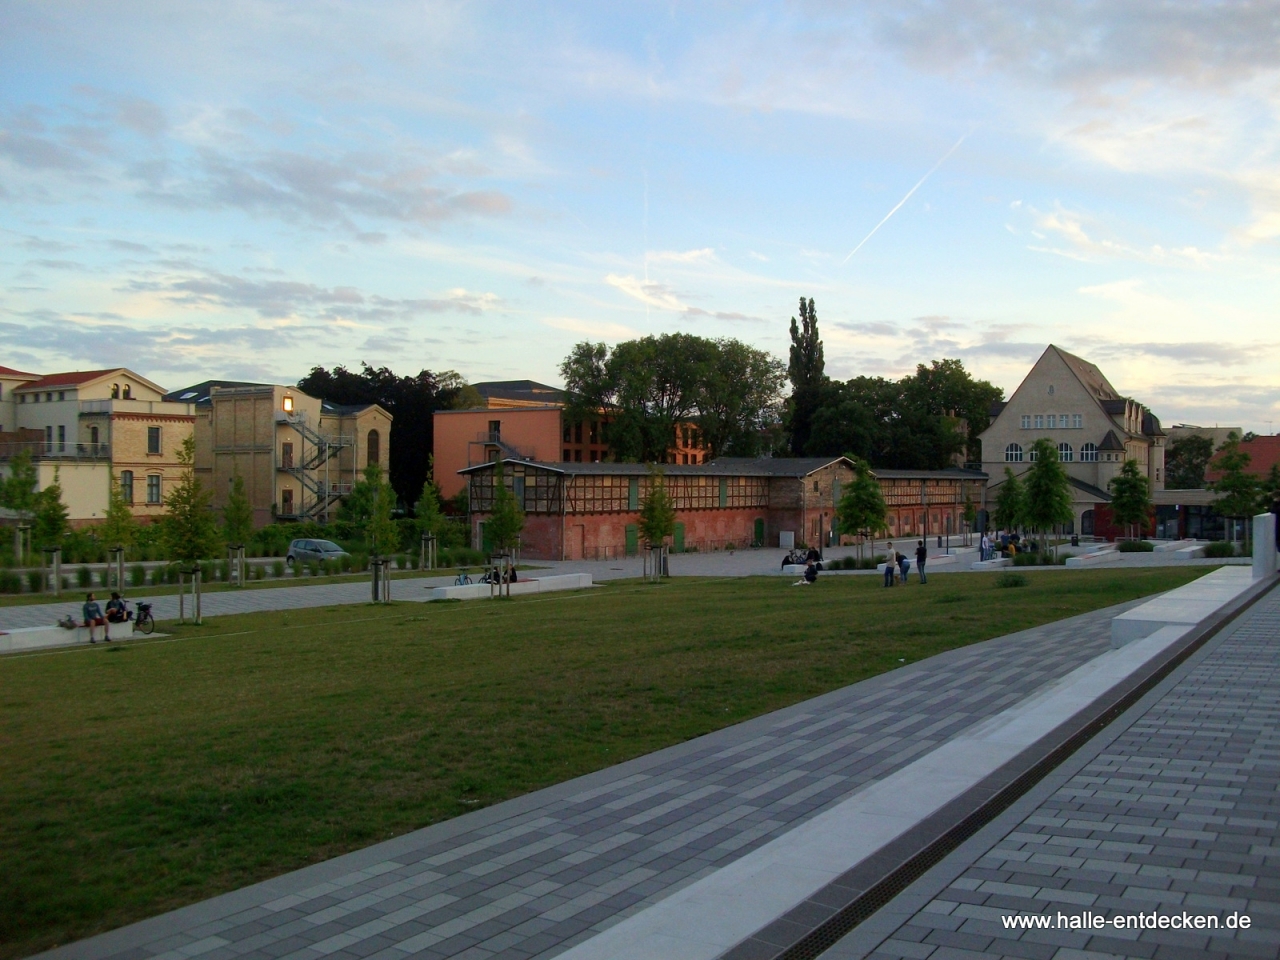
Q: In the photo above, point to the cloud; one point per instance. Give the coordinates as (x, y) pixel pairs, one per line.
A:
(1071, 227)
(600, 329)
(649, 293)
(283, 299)
(1195, 353)
(705, 255)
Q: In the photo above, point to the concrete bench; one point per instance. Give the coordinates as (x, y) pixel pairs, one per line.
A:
(993, 563)
(932, 563)
(39, 638)
(478, 591)
(1185, 606)
(1193, 552)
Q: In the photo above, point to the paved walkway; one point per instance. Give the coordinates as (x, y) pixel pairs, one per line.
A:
(1173, 809)
(536, 875)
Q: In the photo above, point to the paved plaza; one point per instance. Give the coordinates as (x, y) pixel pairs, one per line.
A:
(1174, 809)
(536, 875)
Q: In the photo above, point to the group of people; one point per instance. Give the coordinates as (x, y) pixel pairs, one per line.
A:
(897, 562)
(1003, 543)
(94, 617)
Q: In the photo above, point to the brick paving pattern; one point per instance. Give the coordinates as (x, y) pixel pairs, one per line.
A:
(1180, 812)
(558, 870)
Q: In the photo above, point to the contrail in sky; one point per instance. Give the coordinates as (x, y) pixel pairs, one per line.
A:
(905, 199)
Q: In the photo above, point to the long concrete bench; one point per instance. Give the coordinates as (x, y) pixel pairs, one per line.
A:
(39, 638)
(1093, 556)
(992, 564)
(1167, 545)
(1185, 606)
(1193, 552)
(932, 563)
(478, 591)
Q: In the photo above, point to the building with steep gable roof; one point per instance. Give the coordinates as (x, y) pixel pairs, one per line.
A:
(1069, 401)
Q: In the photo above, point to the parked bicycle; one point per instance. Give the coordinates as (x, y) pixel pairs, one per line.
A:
(144, 622)
(462, 581)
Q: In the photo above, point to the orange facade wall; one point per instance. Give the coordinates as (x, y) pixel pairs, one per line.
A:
(461, 438)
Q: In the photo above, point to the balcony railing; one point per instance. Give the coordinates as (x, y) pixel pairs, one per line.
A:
(55, 450)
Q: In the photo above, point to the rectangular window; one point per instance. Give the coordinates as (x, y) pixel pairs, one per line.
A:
(62, 438)
(495, 429)
(567, 457)
(286, 456)
(568, 434)
(518, 483)
(1062, 421)
(1077, 422)
(1026, 421)
(62, 394)
(153, 488)
(577, 432)
(153, 439)
(595, 431)
(48, 437)
(1039, 421)
(633, 493)
(577, 456)
(1053, 422)
(126, 485)
(724, 492)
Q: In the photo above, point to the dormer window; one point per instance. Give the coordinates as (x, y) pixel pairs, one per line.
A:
(128, 391)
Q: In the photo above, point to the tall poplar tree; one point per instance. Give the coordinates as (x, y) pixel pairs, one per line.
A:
(807, 372)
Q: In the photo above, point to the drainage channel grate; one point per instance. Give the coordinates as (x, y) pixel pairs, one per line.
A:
(828, 933)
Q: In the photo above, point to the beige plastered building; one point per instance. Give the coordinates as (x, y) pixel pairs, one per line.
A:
(1068, 400)
(298, 455)
(92, 428)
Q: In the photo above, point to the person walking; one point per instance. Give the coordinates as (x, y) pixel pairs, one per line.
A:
(890, 559)
(93, 618)
(922, 555)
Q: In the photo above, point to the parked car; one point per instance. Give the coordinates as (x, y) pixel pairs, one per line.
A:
(312, 551)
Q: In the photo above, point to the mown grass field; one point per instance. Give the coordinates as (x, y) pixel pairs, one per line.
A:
(137, 778)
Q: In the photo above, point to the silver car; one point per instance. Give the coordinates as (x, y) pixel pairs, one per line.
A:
(313, 551)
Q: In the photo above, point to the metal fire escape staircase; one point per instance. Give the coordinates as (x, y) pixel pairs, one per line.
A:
(311, 467)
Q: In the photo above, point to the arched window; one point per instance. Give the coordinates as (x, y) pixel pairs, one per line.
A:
(1013, 453)
(372, 445)
(1089, 453)
(128, 392)
(1065, 453)
(115, 391)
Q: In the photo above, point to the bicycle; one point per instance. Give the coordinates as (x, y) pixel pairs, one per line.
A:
(144, 622)
(462, 580)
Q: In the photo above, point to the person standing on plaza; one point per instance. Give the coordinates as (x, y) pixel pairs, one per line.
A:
(986, 547)
(922, 555)
(890, 559)
(904, 565)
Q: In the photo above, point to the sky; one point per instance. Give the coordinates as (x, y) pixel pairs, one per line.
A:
(247, 189)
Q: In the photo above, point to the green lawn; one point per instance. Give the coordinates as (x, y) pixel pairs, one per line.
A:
(138, 778)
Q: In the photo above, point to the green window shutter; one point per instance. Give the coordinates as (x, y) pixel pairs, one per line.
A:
(724, 492)
(633, 539)
(677, 538)
(633, 493)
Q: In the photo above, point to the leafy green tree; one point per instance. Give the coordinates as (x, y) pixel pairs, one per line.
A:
(807, 371)
(119, 528)
(970, 514)
(1239, 492)
(861, 510)
(430, 518)
(18, 491)
(1185, 462)
(237, 515)
(506, 519)
(1010, 503)
(51, 518)
(377, 500)
(1271, 488)
(653, 385)
(1046, 490)
(1130, 498)
(189, 528)
(411, 401)
(657, 513)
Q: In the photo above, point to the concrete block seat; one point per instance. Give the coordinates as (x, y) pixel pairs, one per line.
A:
(39, 638)
(992, 564)
(478, 591)
(932, 563)
(1099, 553)
(1183, 607)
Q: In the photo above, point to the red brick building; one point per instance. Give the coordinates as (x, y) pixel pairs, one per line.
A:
(577, 511)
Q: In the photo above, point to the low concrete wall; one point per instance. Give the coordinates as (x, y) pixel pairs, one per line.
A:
(480, 591)
(1185, 606)
(1192, 552)
(993, 564)
(1264, 545)
(39, 638)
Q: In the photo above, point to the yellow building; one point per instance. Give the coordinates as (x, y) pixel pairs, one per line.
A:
(93, 428)
(298, 455)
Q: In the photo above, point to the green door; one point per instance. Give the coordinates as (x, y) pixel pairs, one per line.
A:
(759, 538)
(678, 538)
(485, 543)
(633, 539)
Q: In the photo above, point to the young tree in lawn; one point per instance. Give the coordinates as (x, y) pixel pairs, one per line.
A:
(1009, 502)
(1046, 490)
(1239, 493)
(1130, 498)
(119, 528)
(18, 492)
(861, 510)
(379, 529)
(189, 528)
(51, 519)
(970, 515)
(657, 517)
(237, 515)
(506, 518)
